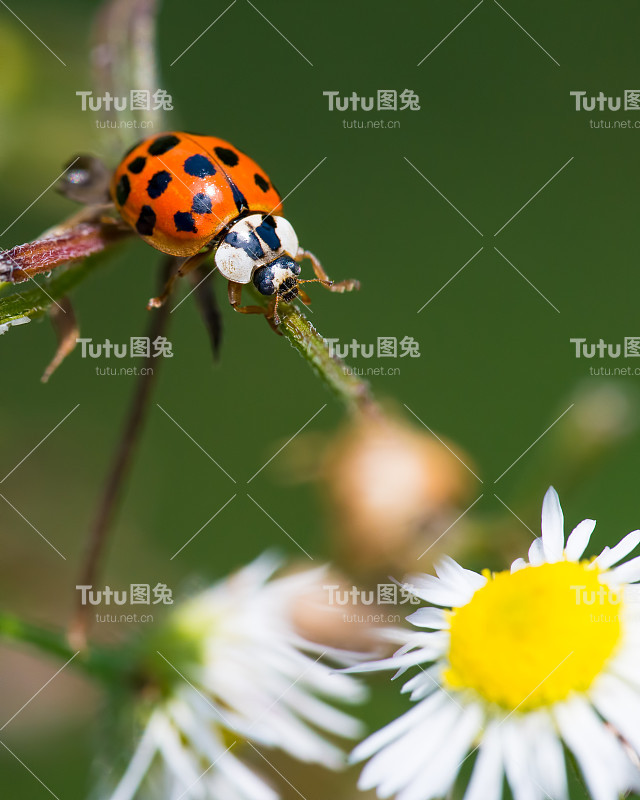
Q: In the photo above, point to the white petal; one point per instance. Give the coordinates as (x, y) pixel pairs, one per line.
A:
(629, 572)
(548, 762)
(518, 564)
(439, 773)
(138, 766)
(619, 704)
(320, 713)
(452, 573)
(611, 556)
(454, 589)
(399, 726)
(429, 618)
(606, 768)
(177, 758)
(423, 655)
(220, 759)
(552, 526)
(517, 762)
(579, 539)
(250, 786)
(396, 766)
(486, 778)
(625, 667)
(536, 553)
(533, 757)
(422, 684)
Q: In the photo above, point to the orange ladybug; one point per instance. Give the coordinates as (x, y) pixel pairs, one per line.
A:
(189, 195)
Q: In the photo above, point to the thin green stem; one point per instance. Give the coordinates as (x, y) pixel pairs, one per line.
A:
(335, 374)
(101, 663)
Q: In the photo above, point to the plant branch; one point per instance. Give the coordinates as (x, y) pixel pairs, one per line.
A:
(123, 59)
(120, 467)
(81, 246)
(335, 374)
(97, 662)
(22, 262)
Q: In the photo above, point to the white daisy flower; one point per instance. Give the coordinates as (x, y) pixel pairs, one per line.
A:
(228, 673)
(519, 664)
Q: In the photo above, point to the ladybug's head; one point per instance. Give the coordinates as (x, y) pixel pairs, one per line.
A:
(279, 277)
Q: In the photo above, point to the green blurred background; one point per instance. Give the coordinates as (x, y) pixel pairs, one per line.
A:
(496, 366)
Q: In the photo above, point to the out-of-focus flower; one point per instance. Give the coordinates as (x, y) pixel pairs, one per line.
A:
(519, 663)
(228, 673)
(391, 487)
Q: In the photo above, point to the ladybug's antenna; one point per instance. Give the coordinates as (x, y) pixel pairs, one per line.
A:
(317, 280)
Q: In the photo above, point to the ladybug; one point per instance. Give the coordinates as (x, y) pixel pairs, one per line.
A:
(189, 195)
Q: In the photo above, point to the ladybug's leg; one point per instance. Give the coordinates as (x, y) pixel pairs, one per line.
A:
(187, 266)
(323, 278)
(235, 298)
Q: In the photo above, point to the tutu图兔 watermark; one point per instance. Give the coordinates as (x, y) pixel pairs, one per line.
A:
(629, 100)
(136, 347)
(136, 100)
(383, 101)
(136, 594)
(385, 594)
(383, 347)
(627, 593)
(628, 348)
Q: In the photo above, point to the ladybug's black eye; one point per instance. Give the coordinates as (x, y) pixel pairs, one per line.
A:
(263, 280)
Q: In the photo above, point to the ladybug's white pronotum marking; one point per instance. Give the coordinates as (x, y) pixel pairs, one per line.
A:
(252, 242)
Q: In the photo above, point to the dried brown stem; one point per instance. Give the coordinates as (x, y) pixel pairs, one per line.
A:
(77, 631)
(22, 262)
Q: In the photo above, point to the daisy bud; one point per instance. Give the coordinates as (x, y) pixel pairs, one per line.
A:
(394, 488)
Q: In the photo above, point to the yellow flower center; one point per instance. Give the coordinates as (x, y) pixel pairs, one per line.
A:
(530, 638)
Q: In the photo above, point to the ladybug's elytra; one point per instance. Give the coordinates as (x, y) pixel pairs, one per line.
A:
(187, 195)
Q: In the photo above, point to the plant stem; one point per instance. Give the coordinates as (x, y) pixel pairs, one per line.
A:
(121, 464)
(22, 262)
(97, 662)
(123, 58)
(336, 375)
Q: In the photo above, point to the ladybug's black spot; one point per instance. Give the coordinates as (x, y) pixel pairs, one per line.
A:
(267, 232)
(184, 222)
(261, 183)
(146, 221)
(201, 204)
(137, 165)
(246, 241)
(162, 145)
(158, 184)
(199, 166)
(122, 190)
(228, 157)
